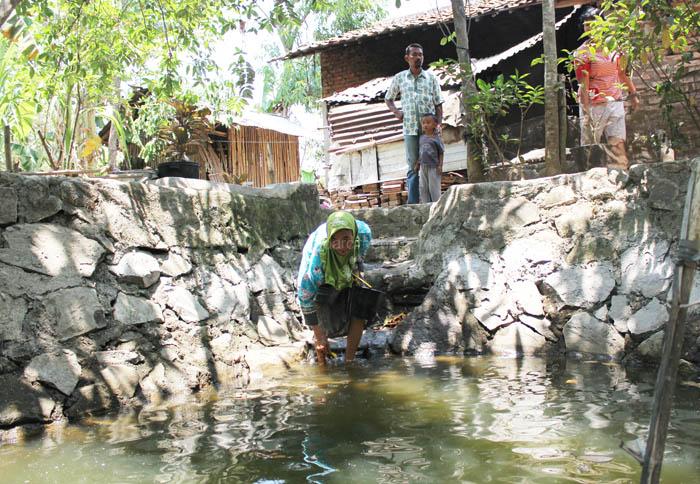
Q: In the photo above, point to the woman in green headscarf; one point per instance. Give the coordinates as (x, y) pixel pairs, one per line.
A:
(330, 256)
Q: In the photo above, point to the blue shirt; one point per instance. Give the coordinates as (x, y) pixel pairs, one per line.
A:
(430, 148)
(311, 269)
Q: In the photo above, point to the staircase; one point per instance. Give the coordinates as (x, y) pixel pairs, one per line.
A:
(394, 235)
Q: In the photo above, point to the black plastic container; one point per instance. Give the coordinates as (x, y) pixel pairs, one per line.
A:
(182, 169)
(365, 302)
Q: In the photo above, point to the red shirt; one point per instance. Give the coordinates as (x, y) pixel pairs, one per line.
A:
(603, 81)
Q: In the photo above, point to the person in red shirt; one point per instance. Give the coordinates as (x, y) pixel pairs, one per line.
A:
(603, 85)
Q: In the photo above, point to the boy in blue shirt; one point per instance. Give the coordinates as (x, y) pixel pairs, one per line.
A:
(431, 155)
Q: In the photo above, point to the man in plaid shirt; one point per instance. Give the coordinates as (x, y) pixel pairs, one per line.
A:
(420, 94)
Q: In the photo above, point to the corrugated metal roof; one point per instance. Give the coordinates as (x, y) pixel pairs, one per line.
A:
(271, 122)
(473, 9)
(375, 89)
(486, 63)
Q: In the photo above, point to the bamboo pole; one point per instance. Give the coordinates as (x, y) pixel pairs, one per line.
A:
(8, 148)
(673, 338)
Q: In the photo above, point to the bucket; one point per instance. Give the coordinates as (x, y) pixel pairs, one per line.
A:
(182, 169)
(365, 302)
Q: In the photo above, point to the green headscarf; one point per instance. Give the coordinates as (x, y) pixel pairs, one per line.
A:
(337, 269)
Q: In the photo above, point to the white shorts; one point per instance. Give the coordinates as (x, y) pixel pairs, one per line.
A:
(608, 118)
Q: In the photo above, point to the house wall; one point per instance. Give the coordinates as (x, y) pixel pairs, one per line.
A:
(353, 64)
(262, 156)
(648, 119)
(384, 162)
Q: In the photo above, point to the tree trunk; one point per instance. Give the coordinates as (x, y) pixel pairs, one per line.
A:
(113, 143)
(8, 148)
(6, 9)
(475, 172)
(551, 88)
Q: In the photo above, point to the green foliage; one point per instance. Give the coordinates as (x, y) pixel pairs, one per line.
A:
(298, 81)
(647, 31)
(492, 101)
(49, 93)
(17, 106)
(188, 129)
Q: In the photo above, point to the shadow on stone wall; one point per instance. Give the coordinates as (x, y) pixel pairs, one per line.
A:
(579, 263)
(124, 293)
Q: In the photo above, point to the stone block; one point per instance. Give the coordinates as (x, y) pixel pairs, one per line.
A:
(227, 300)
(8, 202)
(22, 404)
(576, 220)
(542, 325)
(527, 297)
(585, 334)
(132, 310)
(646, 269)
(184, 303)
(51, 250)
(138, 268)
(76, 311)
(37, 201)
(649, 318)
(620, 312)
(651, 348)
(117, 357)
(93, 399)
(271, 332)
(175, 265)
(60, 370)
(12, 312)
(583, 286)
(121, 379)
(517, 339)
(556, 197)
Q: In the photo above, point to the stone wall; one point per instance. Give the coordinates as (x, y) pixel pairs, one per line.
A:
(124, 293)
(575, 264)
(118, 293)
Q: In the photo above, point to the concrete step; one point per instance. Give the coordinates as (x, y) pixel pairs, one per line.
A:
(406, 220)
(390, 249)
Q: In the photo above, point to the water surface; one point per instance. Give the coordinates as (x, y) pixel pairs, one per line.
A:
(388, 420)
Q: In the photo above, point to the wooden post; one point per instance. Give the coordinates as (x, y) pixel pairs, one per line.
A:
(475, 171)
(551, 105)
(7, 134)
(673, 338)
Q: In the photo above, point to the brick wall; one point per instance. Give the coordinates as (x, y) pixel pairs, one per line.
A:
(352, 65)
(382, 56)
(648, 118)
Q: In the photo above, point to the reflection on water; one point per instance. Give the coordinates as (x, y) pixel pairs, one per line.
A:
(446, 419)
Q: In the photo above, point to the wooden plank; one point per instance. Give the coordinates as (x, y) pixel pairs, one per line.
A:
(684, 275)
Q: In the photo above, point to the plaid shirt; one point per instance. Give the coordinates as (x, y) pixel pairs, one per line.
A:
(419, 95)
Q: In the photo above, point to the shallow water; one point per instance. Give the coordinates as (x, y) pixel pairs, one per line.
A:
(389, 420)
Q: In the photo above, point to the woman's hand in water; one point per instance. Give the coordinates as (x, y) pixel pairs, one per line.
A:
(320, 344)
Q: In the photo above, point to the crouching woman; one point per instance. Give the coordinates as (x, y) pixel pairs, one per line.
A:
(331, 255)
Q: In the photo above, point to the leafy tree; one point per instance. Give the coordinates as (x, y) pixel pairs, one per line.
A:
(298, 81)
(77, 51)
